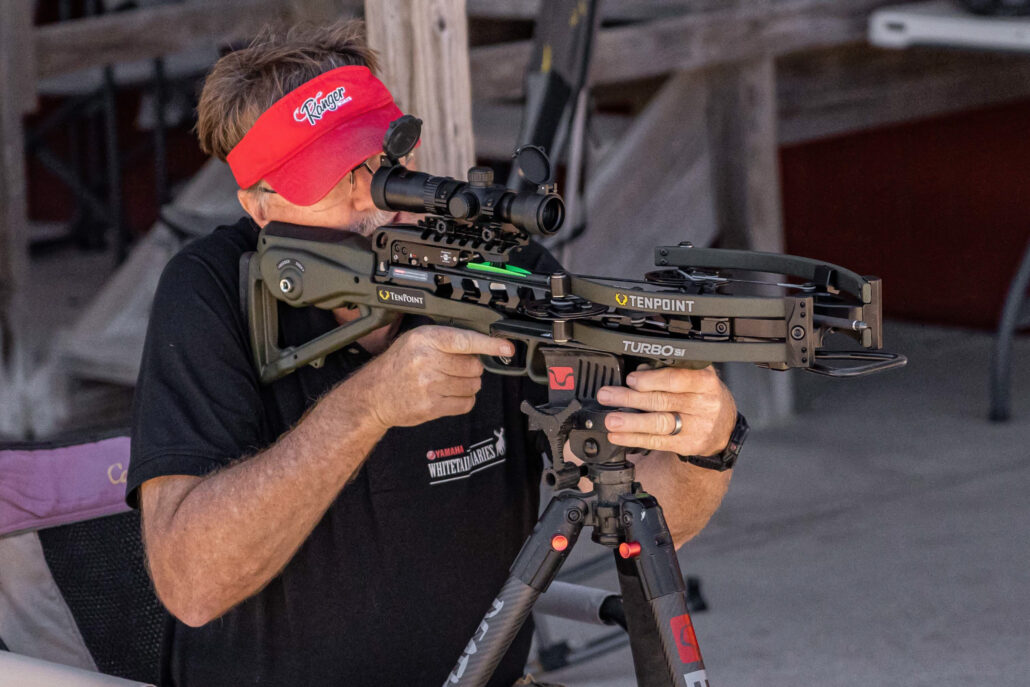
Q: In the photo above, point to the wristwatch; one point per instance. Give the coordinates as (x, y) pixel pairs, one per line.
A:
(724, 460)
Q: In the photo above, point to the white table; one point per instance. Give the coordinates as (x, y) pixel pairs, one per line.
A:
(943, 23)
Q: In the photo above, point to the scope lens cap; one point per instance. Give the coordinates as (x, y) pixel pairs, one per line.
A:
(401, 137)
(533, 164)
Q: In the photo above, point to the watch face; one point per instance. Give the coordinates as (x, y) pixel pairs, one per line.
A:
(739, 433)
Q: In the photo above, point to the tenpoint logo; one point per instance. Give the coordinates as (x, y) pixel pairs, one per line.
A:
(657, 303)
(408, 297)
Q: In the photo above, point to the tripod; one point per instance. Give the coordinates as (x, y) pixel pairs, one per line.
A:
(622, 516)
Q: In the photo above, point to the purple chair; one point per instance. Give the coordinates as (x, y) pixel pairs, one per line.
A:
(73, 583)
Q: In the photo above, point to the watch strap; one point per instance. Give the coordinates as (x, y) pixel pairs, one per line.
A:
(728, 456)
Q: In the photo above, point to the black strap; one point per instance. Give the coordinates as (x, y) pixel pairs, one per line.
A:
(245, 285)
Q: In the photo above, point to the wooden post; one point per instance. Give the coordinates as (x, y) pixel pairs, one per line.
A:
(424, 53)
(742, 116)
(745, 160)
(17, 97)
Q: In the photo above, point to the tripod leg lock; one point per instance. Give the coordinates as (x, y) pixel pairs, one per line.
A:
(644, 525)
(662, 640)
(551, 541)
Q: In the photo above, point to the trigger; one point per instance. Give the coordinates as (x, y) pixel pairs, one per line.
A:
(519, 357)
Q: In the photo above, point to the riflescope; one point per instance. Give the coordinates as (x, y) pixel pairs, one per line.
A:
(477, 200)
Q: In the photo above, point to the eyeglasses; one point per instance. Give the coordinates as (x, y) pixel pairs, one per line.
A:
(353, 181)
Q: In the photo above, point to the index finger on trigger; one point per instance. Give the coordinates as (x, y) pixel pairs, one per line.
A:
(677, 380)
(467, 342)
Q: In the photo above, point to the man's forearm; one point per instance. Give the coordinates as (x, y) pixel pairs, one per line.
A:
(689, 495)
(231, 532)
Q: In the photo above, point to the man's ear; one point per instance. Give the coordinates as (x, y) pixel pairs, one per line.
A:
(253, 206)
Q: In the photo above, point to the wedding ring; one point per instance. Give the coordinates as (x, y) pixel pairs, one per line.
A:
(679, 425)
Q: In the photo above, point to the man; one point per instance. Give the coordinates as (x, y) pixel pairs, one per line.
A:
(298, 531)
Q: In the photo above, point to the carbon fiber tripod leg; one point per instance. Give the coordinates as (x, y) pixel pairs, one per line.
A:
(535, 567)
(665, 650)
(648, 660)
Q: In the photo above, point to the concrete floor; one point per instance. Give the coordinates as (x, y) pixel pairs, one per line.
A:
(878, 539)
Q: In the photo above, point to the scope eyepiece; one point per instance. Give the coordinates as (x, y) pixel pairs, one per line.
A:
(544, 212)
(398, 188)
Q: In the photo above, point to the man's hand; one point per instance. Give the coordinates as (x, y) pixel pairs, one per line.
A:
(702, 402)
(689, 494)
(428, 373)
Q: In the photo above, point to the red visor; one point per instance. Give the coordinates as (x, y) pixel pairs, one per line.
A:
(314, 135)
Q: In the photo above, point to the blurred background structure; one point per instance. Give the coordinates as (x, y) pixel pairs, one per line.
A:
(754, 124)
(773, 125)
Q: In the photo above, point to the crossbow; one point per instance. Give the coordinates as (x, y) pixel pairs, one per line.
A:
(574, 333)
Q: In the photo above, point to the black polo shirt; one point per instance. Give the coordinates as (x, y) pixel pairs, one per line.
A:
(393, 581)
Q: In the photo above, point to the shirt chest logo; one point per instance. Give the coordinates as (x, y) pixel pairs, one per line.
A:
(457, 462)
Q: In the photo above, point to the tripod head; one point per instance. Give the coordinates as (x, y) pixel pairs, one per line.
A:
(572, 414)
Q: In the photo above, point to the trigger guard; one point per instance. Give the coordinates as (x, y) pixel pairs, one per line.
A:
(495, 365)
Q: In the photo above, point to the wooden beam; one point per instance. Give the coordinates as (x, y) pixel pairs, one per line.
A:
(425, 54)
(20, 61)
(612, 10)
(694, 41)
(323, 11)
(151, 32)
(17, 96)
(834, 92)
